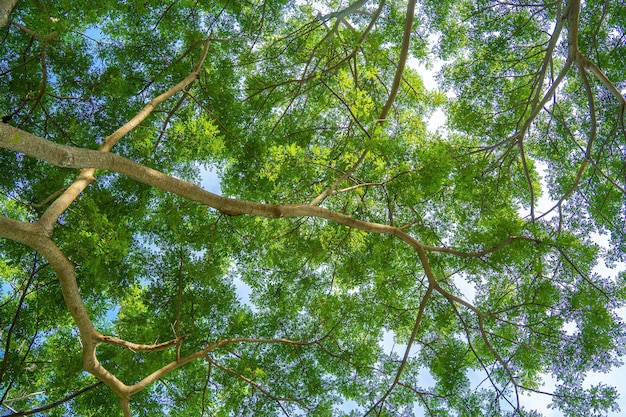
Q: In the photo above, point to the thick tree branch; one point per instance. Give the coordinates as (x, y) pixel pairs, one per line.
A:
(254, 384)
(85, 177)
(32, 235)
(6, 7)
(416, 327)
(70, 157)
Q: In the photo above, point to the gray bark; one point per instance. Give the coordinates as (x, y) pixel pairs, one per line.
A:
(6, 7)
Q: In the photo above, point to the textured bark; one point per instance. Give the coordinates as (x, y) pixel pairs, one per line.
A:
(6, 7)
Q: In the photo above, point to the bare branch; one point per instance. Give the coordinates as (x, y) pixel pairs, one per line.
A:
(254, 384)
(6, 7)
(133, 389)
(135, 347)
(418, 322)
(85, 177)
(58, 402)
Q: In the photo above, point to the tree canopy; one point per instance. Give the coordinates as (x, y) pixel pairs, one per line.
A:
(347, 220)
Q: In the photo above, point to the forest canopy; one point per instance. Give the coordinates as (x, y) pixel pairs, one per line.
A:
(340, 223)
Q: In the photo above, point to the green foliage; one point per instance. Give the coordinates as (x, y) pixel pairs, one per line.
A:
(433, 240)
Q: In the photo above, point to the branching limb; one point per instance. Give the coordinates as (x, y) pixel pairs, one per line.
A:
(599, 74)
(6, 7)
(33, 235)
(136, 347)
(56, 403)
(255, 384)
(85, 177)
(592, 133)
(133, 389)
(382, 117)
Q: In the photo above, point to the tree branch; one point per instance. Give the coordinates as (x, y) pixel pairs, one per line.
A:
(136, 347)
(418, 321)
(56, 403)
(7, 342)
(85, 177)
(6, 7)
(156, 375)
(382, 117)
(254, 384)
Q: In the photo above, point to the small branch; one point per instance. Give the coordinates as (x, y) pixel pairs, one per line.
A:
(86, 176)
(592, 134)
(498, 358)
(136, 347)
(158, 374)
(254, 384)
(469, 338)
(56, 403)
(418, 321)
(481, 253)
(179, 301)
(7, 343)
(48, 199)
(330, 190)
(204, 389)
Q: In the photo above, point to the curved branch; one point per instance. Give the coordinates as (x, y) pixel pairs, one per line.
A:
(133, 389)
(136, 347)
(404, 53)
(254, 384)
(418, 322)
(382, 117)
(56, 403)
(70, 157)
(17, 140)
(85, 177)
(6, 7)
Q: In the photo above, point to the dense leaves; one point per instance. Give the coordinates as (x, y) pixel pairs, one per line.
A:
(357, 262)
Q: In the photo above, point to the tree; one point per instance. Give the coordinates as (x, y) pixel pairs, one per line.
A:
(344, 216)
